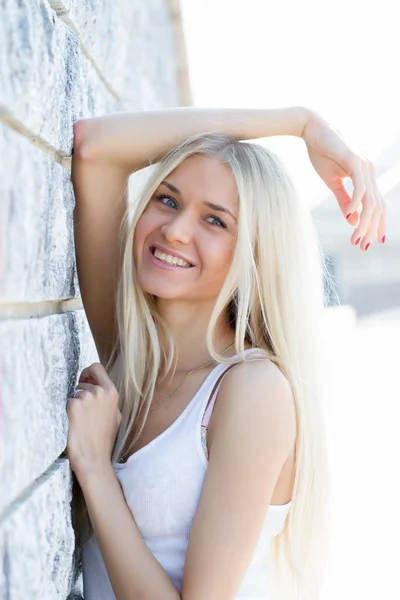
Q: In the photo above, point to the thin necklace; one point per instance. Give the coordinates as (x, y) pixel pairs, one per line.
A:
(210, 362)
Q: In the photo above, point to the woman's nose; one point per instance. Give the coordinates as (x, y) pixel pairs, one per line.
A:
(179, 229)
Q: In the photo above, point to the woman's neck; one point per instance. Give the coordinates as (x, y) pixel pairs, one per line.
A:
(188, 326)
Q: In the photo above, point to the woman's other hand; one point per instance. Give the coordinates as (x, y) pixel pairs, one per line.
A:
(94, 419)
(334, 161)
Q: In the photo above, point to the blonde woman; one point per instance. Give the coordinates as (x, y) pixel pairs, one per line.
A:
(198, 441)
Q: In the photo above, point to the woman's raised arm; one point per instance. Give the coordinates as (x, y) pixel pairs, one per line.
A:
(135, 140)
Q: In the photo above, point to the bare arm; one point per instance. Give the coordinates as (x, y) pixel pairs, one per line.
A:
(106, 151)
(101, 198)
(134, 572)
(266, 426)
(240, 479)
(109, 148)
(133, 140)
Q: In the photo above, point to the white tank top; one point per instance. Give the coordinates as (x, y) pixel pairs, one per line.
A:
(162, 483)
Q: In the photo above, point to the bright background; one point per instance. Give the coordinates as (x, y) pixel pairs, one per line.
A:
(340, 58)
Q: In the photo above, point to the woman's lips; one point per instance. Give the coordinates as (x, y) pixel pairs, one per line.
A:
(163, 250)
(164, 265)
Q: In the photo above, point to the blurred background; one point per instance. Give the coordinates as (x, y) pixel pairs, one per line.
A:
(62, 60)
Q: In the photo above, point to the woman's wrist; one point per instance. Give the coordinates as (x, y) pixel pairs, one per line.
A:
(304, 115)
(249, 124)
(293, 120)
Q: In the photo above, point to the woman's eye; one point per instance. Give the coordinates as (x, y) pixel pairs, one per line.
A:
(162, 197)
(217, 222)
(171, 203)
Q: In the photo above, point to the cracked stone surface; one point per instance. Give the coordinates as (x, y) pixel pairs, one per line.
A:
(37, 540)
(141, 74)
(60, 61)
(46, 83)
(40, 363)
(36, 224)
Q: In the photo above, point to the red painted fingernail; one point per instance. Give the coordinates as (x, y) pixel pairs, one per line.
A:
(367, 246)
(384, 239)
(357, 241)
(348, 216)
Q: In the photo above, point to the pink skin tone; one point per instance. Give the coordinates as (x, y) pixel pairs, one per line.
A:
(183, 225)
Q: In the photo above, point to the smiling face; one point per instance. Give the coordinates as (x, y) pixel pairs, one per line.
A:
(192, 216)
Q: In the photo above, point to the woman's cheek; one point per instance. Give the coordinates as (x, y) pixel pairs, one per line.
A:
(143, 229)
(219, 260)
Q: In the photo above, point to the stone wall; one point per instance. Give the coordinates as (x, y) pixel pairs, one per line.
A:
(59, 61)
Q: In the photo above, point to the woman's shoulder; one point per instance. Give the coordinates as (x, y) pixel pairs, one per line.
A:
(255, 399)
(255, 361)
(256, 370)
(256, 388)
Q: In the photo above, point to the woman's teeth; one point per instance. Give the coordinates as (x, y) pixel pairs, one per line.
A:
(171, 260)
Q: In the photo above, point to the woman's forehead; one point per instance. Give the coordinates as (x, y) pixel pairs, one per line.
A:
(204, 175)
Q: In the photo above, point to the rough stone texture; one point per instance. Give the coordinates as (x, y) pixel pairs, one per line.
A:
(77, 591)
(36, 224)
(66, 87)
(59, 61)
(46, 83)
(107, 30)
(40, 362)
(37, 540)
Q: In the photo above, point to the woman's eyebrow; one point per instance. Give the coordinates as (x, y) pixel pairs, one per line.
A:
(171, 187)
(219, 208)
(216, 207)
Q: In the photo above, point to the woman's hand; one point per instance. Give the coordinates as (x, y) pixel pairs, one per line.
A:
(94, 419)
(334, 161)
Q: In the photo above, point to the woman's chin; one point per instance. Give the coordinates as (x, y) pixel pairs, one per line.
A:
(161, 290)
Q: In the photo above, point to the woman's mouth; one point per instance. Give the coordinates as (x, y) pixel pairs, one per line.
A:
(167, 261)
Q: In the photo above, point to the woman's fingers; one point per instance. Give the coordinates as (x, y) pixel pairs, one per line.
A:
(379, 223)
(87, 376)
(97, 375)
(87, 379)
(377, 218)
(84, 386)
(372, 230)
(334, 161)
(343, 199)
(354, 167)
(368, 210)
(371, 226)
(382, 222)
(342, 196)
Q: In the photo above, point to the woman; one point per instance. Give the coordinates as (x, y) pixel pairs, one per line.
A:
(198, 440)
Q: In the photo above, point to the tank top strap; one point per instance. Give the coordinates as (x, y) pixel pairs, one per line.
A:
(214, 392)
(213, 396)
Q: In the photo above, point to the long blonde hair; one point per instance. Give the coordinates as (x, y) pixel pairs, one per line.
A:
(274, 294)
